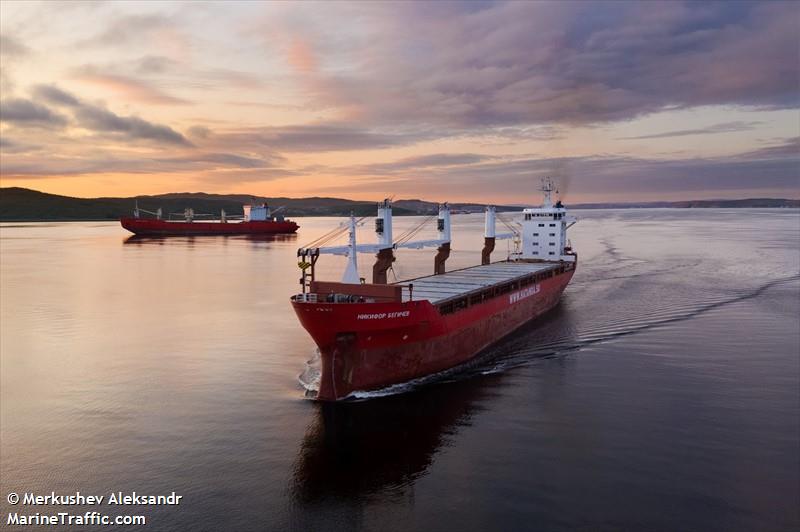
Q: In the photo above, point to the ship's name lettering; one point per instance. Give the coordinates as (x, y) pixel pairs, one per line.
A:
(385, 315)
(522, 294)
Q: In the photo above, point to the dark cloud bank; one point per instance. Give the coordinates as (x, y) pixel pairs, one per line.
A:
(21, 111)
(486, 64)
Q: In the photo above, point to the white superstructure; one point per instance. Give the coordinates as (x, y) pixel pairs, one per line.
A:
(544, 230)
(256, 213)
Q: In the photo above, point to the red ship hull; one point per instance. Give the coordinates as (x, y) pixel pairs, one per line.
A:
(368, 346)
(149, 226)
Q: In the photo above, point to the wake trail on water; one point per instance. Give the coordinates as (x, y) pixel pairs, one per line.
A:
(516, 353)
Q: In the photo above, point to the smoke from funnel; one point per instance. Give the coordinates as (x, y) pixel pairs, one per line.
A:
(561, 178)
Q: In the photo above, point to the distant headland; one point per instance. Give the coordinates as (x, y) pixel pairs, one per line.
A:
(23, 204)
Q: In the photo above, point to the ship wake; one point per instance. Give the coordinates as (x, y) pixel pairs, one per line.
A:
(528, 345)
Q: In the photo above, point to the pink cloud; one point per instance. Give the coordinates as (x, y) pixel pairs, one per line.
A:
(129, 88)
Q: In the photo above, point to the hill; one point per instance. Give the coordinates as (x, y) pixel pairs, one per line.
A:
(21, 204)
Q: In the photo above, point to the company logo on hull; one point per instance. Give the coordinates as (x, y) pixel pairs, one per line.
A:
(384, 315)
(522, 294)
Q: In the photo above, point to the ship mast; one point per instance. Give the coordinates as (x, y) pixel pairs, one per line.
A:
(547, 190)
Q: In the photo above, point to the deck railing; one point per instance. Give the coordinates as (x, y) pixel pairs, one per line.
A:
(341, 295)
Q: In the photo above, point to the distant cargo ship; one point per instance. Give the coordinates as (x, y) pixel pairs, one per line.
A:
(257, 220)
(373, 335)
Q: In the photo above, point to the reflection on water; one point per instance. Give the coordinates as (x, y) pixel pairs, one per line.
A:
(356, 452)
(357, 449)
(190, 240)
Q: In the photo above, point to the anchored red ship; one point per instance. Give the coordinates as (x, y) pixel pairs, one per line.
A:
(373, 335)
(257, 220)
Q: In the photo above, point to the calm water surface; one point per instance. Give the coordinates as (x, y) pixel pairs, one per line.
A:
(662, 394)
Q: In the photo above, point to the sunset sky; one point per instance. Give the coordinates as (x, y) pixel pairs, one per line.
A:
(463, 101)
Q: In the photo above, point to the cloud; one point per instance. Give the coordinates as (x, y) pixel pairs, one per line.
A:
(727, 127)
(512, 63)
(99, 119)
(229, 160)
(143, 79)
(88, 116)
(129, 29)
(319, 137)
(788, 148)
(27, 112)
(11, 146)
(200, 132)
(105, 163)
(301, 56)
(127, 87)
(775, 168)
(423, 162)
(54, 95)
(11, 47)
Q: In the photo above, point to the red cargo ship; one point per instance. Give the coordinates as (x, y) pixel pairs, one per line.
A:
(371, 336)
(257, 220)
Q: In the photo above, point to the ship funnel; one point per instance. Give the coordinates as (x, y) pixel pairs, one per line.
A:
(383, 230)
